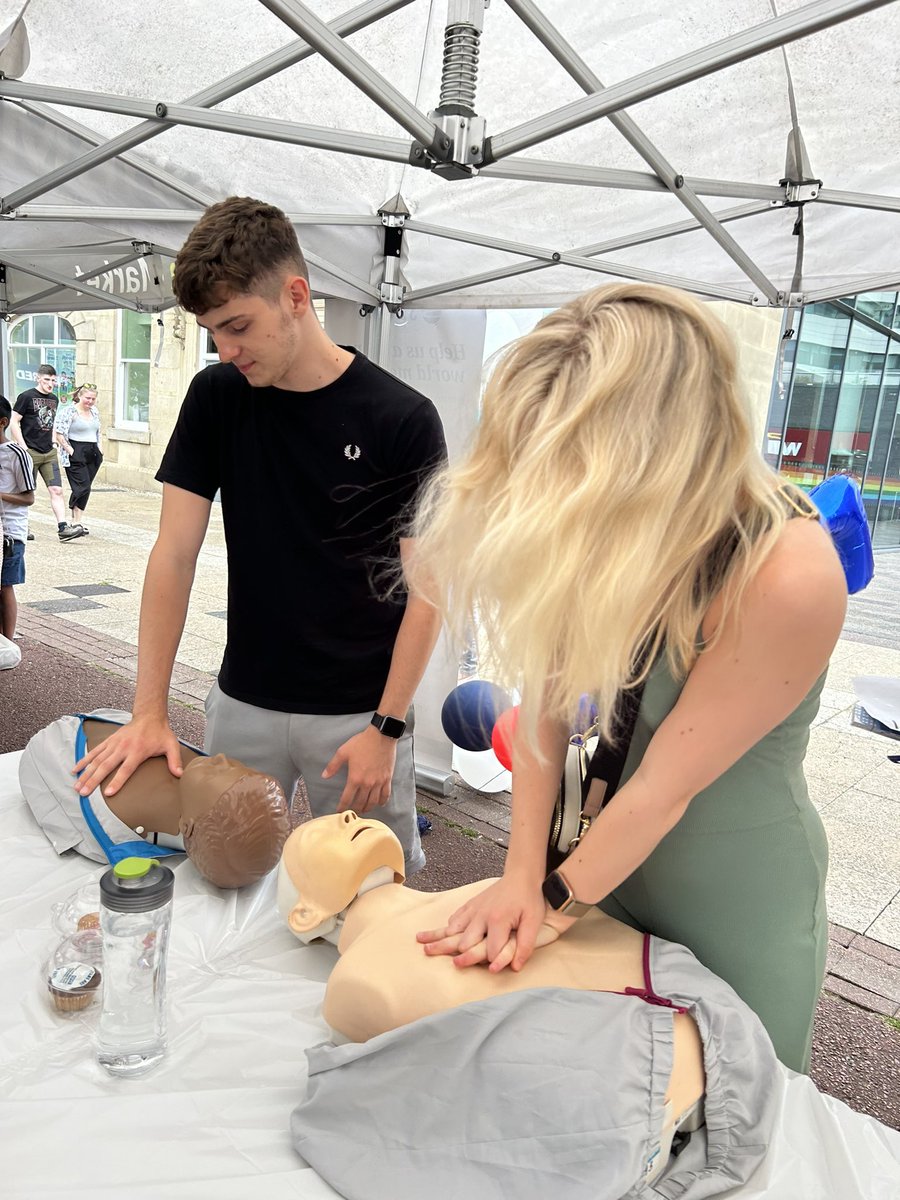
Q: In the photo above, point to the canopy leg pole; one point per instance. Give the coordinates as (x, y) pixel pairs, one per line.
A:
(5, 378)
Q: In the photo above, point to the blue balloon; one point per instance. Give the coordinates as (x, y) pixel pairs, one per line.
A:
(470, 711)
(839, 501)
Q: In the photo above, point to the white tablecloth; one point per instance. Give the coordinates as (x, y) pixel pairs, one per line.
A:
(211, 1122)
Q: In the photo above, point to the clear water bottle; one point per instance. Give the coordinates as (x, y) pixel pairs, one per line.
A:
(135, 915)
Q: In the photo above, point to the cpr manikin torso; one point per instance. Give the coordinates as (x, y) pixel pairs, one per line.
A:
(383, 978)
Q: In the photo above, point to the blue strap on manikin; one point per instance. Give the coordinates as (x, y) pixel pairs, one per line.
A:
(114, 852)
(839, 501)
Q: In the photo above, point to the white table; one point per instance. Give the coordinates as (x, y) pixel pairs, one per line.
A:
(211, 1122)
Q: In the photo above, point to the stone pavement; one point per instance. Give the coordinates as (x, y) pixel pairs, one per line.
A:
(83, 597)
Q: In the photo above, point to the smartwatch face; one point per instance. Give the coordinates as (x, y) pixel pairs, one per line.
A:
(392, 727)
(555, 890)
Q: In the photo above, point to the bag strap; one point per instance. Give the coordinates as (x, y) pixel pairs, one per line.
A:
(606, 764)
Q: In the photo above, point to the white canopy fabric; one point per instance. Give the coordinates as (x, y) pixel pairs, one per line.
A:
(332, 116)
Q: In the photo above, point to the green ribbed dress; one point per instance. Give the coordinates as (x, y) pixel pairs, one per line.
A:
(740, 880)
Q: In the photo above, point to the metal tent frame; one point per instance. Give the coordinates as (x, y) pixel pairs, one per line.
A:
(450, 141)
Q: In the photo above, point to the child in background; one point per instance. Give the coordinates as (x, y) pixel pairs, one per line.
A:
(16, 494)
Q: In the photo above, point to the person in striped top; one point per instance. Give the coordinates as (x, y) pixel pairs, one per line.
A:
(16, 494)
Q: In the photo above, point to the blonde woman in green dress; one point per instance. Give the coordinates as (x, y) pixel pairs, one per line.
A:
(615, 510)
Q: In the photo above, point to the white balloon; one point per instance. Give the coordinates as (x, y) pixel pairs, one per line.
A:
(481, 770)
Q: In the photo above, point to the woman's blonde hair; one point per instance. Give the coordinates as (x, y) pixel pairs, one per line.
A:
(613, 487)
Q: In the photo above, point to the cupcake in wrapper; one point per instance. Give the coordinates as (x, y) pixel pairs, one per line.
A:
(72, 986)
(73, 972)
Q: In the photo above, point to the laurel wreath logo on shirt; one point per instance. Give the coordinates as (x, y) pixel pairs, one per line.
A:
(352, 452)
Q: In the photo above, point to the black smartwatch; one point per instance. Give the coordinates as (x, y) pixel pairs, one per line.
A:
(391, 727)
(561, 898)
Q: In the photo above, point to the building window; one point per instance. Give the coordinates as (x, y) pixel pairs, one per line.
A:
(840, 413)
(133, 375)
(208, 353)
(42, 338)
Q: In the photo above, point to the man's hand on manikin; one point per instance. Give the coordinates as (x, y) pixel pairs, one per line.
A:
(124, 751)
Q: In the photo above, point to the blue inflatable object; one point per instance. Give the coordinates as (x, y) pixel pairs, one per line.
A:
(839, 501)
(586, 717)
(470, 711)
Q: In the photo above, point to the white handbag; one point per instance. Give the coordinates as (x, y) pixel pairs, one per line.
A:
(590, 778)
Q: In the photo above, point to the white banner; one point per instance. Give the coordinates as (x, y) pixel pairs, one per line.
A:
(440, 354)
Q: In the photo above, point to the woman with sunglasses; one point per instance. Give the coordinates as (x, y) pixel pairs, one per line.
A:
(76, 432)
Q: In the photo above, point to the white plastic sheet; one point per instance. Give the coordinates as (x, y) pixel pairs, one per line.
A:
(211, 1123)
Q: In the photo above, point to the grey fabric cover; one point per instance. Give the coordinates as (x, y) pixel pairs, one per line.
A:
(48, 785)
(539, 1094)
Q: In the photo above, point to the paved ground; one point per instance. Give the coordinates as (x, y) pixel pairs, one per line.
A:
(79, 616)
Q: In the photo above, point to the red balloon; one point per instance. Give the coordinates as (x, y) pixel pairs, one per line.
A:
(503, 734)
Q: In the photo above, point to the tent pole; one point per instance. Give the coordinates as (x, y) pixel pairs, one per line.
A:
(852, 287)
(637, 139)
(731, 50)
(272, 129)
(555, 257)
(78, 285)
(379, 343)
(337, 272)
(147, 248)
(714, 291)
(355, 68)
(649, 235)
(61, 121)
(580, 175)
(865, 319)
(72, 212)
(859, 200)
(5, 379)
(351, 22)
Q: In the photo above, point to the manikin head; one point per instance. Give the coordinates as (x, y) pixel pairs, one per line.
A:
(243, 275)
(324, 865)
(231, 820)
(234, 820)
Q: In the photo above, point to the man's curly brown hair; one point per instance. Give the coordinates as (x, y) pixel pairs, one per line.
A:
(239, 246)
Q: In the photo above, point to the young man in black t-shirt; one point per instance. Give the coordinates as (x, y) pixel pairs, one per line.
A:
(32, 428)
(318, 455)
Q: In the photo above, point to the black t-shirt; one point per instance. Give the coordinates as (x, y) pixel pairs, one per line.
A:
(38, 411)
(315, 488)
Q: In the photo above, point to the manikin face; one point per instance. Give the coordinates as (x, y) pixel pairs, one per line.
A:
(324, 863)
(262, 337)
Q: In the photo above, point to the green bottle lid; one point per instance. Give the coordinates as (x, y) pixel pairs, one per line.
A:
(134, 868)
(136, 885)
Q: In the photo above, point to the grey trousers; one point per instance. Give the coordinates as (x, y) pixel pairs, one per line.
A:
(291, 745)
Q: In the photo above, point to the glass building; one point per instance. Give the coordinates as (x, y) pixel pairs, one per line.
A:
(835, 404)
